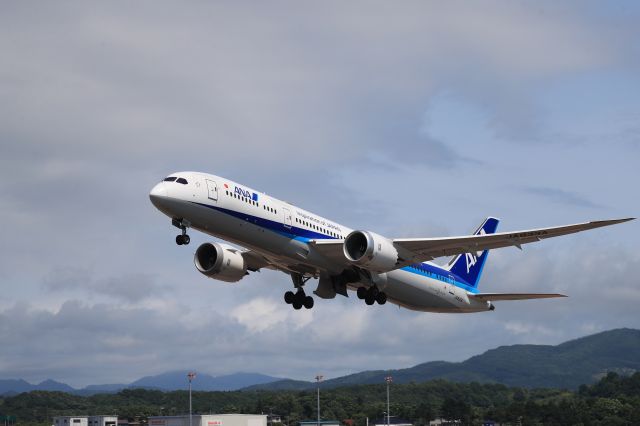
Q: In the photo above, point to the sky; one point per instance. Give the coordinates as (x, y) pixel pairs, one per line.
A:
(411, 119)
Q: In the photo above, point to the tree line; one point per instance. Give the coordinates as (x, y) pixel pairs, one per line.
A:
(614, 400)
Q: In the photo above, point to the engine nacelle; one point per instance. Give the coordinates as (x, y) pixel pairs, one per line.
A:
(370, 251)
(220, 262)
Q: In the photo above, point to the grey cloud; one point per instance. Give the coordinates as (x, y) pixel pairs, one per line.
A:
(141, 340)
(560, 196)
(132, 287)
(77, 337)
(119, 89)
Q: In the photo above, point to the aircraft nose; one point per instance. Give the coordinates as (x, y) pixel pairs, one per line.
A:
(157, 193)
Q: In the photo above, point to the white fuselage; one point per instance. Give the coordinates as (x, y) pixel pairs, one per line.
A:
(280, 232)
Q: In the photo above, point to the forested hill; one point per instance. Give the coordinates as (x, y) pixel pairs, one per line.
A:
(567, 365)
(613, 400)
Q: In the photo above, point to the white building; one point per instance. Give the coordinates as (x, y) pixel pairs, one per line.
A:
(85, 421)
(103, 420)
(71, 421)
(210, 420)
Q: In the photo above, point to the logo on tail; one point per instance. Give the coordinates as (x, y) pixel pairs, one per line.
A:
(472, 258)
(468, 266)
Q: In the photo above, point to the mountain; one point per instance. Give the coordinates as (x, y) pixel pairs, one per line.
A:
(177, 380)
(15, 386)
(52, 385)
(567, 365)
(8, 386)
(106, 388)
(167, 381)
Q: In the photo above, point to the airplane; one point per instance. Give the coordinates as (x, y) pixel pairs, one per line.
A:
(280, 236)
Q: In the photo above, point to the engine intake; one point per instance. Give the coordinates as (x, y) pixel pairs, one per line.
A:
(370, 251)
(220, 262)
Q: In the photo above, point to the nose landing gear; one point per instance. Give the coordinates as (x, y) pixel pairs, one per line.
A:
(183, 224)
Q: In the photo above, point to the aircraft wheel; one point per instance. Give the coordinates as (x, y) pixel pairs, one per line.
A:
(369, 300)
(297, 305)
(381, 298)
(289, 297)
(179, 240)
(308, 302)
(186, 239)
(361, 292)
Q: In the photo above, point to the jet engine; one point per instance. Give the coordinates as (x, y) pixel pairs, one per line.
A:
(370, 251)
(220, 262)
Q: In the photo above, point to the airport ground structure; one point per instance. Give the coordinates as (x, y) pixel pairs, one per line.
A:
(209, 420)
(85, 421)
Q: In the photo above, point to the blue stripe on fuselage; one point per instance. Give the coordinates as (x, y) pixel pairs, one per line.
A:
(436, 273)
(424, 269)
(293, 232)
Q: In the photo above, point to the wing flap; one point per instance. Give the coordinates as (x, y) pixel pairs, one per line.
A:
(331, 249)
(513, 296)
(256, 261)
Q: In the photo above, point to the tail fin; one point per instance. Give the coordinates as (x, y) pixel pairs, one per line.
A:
(468, 266)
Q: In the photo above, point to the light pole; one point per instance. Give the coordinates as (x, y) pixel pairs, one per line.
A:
(318, 379)
(388, 379)
(191, 375)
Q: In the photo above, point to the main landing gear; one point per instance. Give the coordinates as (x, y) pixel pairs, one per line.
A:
(372, 295)
(299, 298)
(183, 238)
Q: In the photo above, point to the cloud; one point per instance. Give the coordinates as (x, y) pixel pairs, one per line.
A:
(261, 314)
(132, 340)
(560, 196)
(132, 287)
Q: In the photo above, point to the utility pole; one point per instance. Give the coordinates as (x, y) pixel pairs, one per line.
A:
(388, 379)
(191, 375)
(318, 380)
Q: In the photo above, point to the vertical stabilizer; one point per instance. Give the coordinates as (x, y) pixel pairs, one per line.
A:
(468, 266)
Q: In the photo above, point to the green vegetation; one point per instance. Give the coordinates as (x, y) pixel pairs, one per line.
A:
(614, 400)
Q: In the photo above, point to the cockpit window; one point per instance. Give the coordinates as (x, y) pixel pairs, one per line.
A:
(170, 179)
(182, 181)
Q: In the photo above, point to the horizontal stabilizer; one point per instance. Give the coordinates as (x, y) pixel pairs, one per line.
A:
(513, 296)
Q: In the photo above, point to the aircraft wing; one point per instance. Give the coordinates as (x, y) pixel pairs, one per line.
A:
(430, 248)
(414, 250)
(513, 296)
